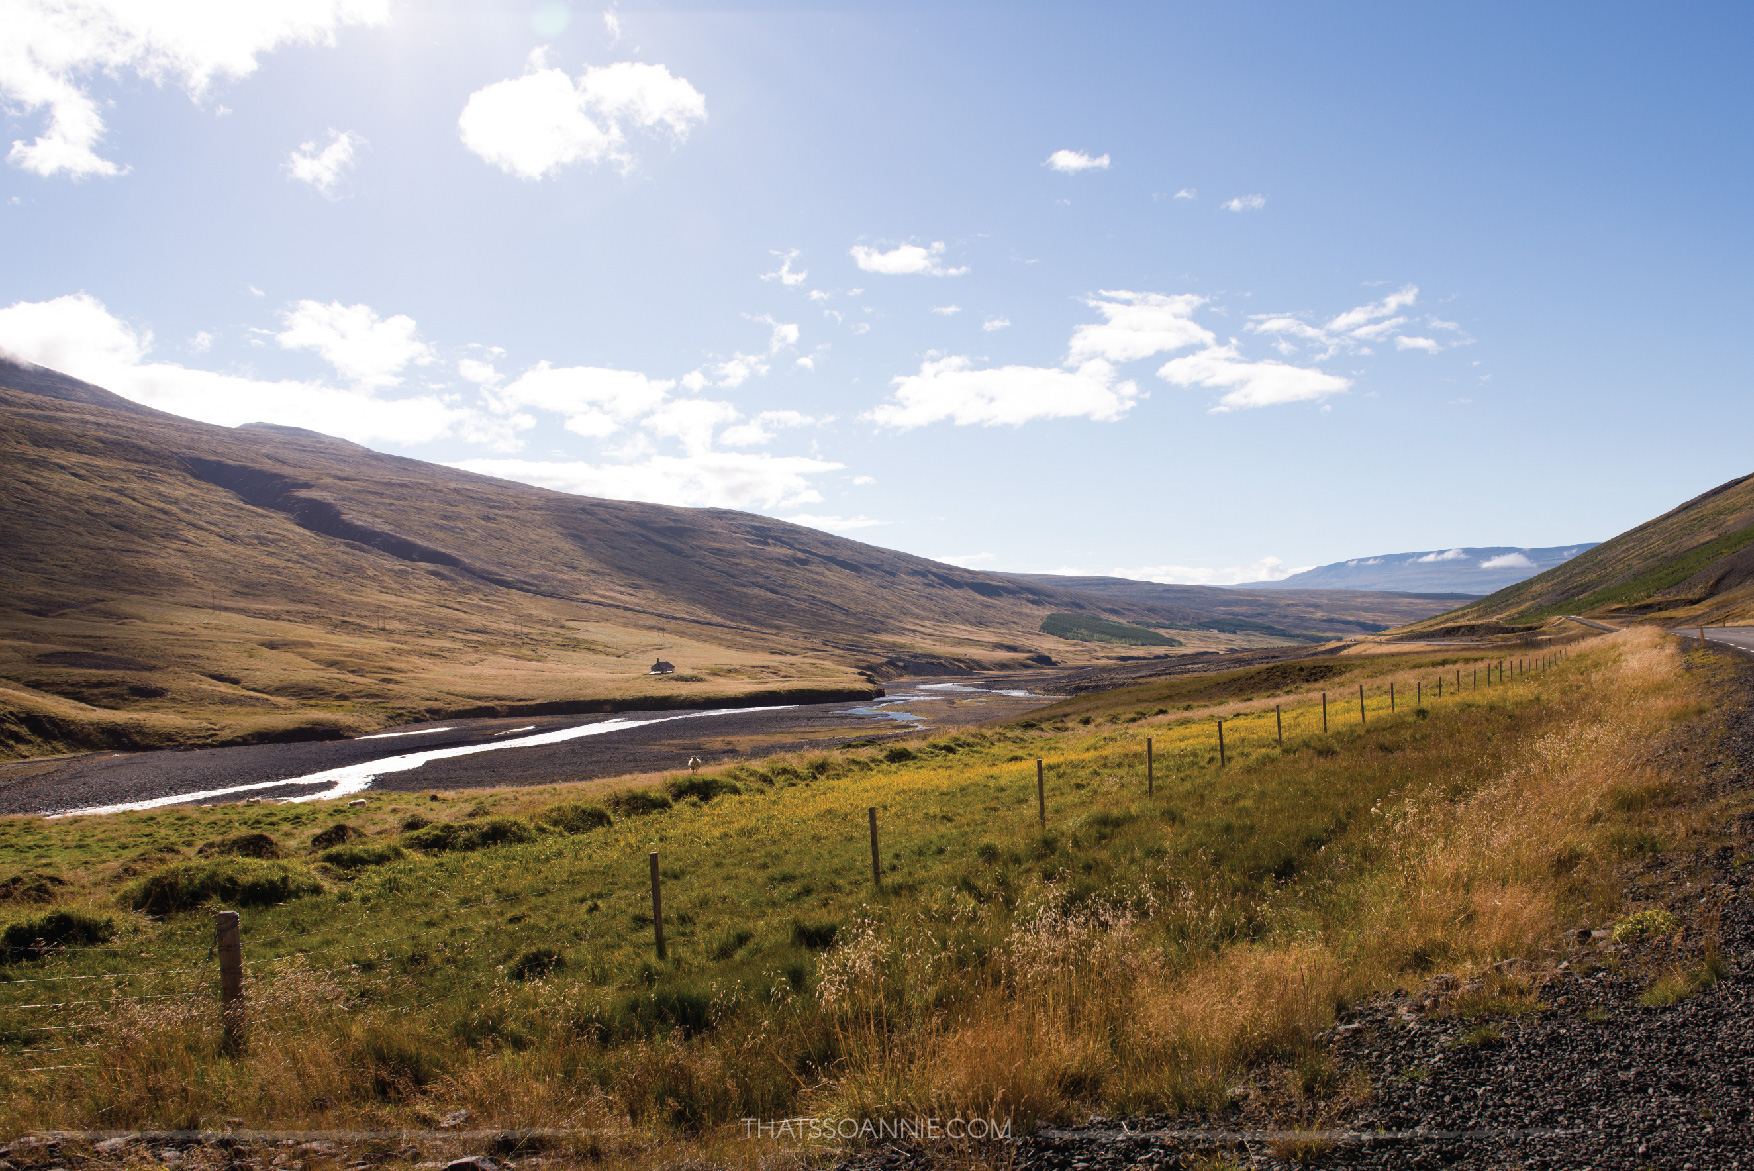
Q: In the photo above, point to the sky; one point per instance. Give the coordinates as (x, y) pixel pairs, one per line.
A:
(1182, 292)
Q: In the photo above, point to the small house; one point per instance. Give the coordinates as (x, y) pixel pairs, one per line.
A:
(662, 668)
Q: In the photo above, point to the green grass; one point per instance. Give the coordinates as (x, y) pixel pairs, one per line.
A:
(1085, 628)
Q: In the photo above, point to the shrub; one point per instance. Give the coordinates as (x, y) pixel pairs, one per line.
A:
(457, 836)
(34, 938)
(255, 845)
(536, 963)
(243, 882)
(634, 802)
(1644, 925)
(706, 788)
(898, 754)
(31, 887)
(413, 822)
(815, 936)
(576, 819)
(335, 835)
(358, 857)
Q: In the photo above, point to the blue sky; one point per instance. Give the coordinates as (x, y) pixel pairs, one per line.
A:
(1184, 292)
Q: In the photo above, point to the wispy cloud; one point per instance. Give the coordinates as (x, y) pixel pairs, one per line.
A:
(1443, 555)
(324, 168)
(1266, 569)
(994, 324)
(784, 274)
(1245, 203)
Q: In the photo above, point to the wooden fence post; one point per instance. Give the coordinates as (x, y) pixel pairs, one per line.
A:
(1041, 793)
(1361, 718)
(1440, 687)
(876, 866)
(1221, 760)
(1324, 713)
(1279, 725)
(1150, 779)
(1391, 697)
(1458, 678)
(228, 942)
(657, 907)
(1419, 694)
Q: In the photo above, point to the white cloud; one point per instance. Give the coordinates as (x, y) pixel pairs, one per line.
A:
(1266, 569)
(594, 401)
(1445, 555)
(905, 260)
(1348, 332)
(784, 274)
(720, 479)
(834, 524)
(612, 25)
(691, 422)
(947, 310)
(951, 389)
(1186, 193)
(364, 350)
(201, 342)
(1507, 561)
(77, 335)
(1070, 162)
(1250, 384)
(1245, 203)
(1138, 325)
(323, 168)
(51, 50)
(966, 560)
(479, 372)
(534, 125)
(864, 479)
(994, 324)
(761, 429)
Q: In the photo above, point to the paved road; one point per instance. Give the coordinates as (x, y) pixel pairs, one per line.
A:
(1740, 637)
(466, 754)
(1590, 622)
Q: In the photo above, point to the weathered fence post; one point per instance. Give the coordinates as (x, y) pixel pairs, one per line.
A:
(1361, 718)
(228, 942)
(1440, 687)
(1419, 694)
(1391, 697)
(1221, 760)
(876, 866)
(1279, 725)
(657, 907)
(1041, 793)
(1324, 713)
(1150, 779)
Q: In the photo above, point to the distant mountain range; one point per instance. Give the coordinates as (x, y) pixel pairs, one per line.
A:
(1432, 571)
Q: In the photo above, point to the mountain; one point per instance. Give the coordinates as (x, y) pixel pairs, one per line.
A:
(1470, 571)
(1692, 565)
(1284, 614)
(169, 582)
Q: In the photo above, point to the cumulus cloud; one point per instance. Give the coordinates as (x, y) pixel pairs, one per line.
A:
(324, 168)
(77, 335)
(784, 274)
(952, 389)
(1508, 561)
(594, 401)
(720, 479)
(1443, 555)
(994, 324)
(1186, 193)
(52, 49)
(1266, 569)
(1070, 162)
(905, 260)
(1250, 384)
(364, 350)
(1245, 203)
(534, 125)
(1138, 325)
(947, 310)
(761, 428)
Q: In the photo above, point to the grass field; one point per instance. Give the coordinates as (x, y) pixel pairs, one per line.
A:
(493, 952)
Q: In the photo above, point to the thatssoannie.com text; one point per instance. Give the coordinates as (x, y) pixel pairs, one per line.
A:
(876, 1129)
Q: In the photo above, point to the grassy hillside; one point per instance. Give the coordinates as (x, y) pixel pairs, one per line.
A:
(167, 582)
(492, 953)
(1691, 564)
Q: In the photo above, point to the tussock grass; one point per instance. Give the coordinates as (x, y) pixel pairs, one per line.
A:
(1139, 954)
